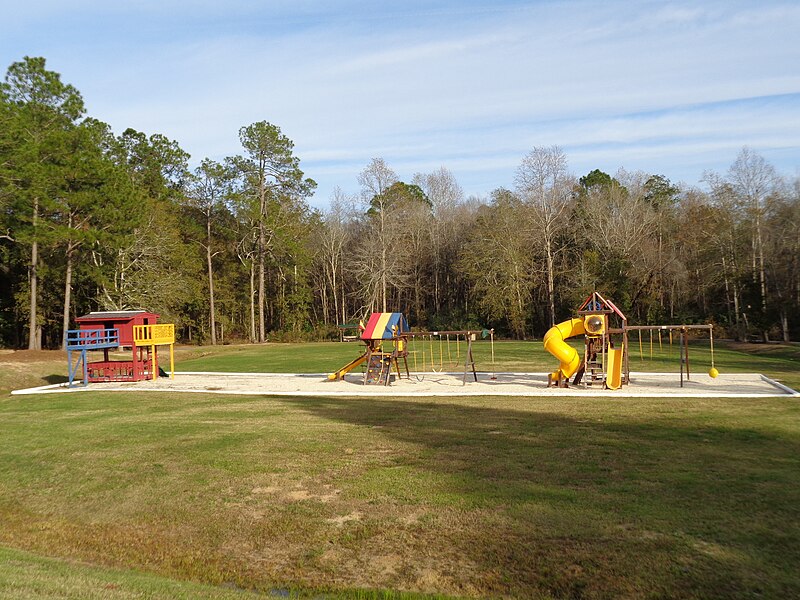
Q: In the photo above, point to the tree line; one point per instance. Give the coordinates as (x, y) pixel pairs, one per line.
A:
(232, 251)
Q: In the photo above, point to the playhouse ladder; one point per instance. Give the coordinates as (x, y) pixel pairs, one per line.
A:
(594, 360)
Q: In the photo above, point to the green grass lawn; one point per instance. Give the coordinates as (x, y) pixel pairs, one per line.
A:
(155, 495)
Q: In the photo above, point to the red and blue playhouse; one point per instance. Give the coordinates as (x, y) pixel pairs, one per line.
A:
(114, 331)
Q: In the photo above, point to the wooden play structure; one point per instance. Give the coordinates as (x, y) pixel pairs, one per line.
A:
(388, 340)
(108, 331)
(605, 361)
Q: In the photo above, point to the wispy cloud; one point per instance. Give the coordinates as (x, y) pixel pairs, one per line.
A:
(675, 88)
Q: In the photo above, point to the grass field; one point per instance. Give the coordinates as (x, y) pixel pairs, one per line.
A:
(123, 495)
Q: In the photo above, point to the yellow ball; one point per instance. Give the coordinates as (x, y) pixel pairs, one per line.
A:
(713, 373)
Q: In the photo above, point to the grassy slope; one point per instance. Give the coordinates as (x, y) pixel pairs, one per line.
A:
(599, 498)
(26, 576)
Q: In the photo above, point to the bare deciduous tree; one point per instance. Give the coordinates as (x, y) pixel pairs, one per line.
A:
(445, 195)
(375, 181)
(544, 184)
(754, 180)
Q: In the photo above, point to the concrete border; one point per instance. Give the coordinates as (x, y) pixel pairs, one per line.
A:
(785, 388)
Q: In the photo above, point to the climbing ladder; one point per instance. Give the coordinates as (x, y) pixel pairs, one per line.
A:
(379, 366)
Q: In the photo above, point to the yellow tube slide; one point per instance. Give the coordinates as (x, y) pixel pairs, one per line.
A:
(567, 355)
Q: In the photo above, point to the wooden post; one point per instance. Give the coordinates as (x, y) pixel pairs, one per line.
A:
(686, 353)
(625, 353)
(469, 360)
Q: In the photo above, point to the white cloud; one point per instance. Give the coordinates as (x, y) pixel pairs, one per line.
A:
(469, 85)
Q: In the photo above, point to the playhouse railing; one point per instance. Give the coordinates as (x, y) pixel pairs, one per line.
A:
(83, 340)
(154, 335)
(119, 370)
(92, 339)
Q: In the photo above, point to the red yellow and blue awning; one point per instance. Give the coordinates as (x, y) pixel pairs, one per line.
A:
(384, 326)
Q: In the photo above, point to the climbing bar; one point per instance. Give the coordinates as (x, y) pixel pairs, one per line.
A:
(660, 327)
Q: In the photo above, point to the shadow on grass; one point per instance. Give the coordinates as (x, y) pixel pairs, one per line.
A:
(53, 379)
(596, 506)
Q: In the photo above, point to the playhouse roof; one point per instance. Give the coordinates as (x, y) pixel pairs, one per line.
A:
(385, 326)
(115, 315)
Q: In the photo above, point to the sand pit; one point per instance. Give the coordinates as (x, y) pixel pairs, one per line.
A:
(643, 385)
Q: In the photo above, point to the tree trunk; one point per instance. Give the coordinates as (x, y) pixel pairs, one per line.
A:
(252, 301)
(325, 304)
(761, 275)
(727, 288)
(335, 296)
(213, 320)
(344, 298)
(734, 282)
(67, 295)
(550, 283)
(437, 303)
(262, 333)
(34, 335)
(417, 302)
(383, 277)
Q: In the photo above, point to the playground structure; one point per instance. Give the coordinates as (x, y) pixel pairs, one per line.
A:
(108, 331)
(605, 360)
(388, 340)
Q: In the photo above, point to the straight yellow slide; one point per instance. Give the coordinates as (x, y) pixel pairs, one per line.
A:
(347, 368)
(567, 355)
(614, 374)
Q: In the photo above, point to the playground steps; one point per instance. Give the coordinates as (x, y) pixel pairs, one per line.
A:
(378, 369)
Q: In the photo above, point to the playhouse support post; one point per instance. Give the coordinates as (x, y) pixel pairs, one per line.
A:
(154, 363)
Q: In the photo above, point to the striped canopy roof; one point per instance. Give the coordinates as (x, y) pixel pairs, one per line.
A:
(384, 326)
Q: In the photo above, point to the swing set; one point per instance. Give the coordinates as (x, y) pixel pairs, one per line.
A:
(606, 332)
(425, 354)
(683, 343)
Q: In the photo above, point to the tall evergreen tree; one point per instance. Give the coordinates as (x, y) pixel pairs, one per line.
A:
(42, 113)
(269, 174)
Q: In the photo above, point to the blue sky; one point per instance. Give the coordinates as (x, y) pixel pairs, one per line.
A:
(673, 88)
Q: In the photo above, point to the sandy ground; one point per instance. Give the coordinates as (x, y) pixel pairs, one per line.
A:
(440, 384)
